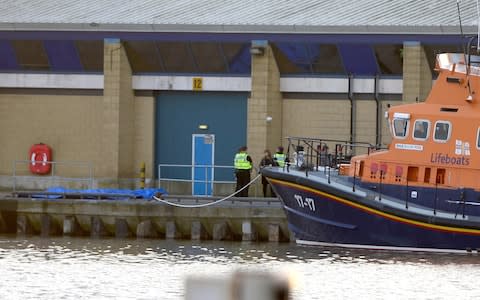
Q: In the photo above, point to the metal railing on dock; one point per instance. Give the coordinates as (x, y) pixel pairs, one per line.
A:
(206, 180)
(78, 174)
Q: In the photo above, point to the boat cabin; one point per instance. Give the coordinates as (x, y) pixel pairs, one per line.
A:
(437, 142)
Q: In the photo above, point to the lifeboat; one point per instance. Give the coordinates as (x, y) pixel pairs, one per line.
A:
(420, 194)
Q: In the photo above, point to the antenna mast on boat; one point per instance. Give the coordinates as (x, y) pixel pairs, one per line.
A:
(461, 31)
(478, 27)
(467, 63)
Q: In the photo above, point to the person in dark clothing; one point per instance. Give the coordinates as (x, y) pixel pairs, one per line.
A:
(267, 160)
(243, 166)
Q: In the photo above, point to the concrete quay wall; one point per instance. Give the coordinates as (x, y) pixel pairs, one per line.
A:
(247, 219)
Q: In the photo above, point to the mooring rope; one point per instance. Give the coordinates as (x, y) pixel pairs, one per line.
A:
(210, 203)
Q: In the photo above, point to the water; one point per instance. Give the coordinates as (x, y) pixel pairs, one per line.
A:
(84, 268)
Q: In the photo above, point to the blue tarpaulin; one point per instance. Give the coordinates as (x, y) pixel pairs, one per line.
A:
(116, 194)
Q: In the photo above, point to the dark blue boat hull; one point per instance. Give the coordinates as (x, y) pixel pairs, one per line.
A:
(326, 217)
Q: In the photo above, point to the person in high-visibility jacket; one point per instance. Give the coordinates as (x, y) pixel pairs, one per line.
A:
(280, 157)
(243, 166)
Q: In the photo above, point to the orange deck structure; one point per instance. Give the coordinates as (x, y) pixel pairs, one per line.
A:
(436, 142)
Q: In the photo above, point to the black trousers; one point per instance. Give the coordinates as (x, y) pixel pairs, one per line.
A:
(243, 178)
(265, 185)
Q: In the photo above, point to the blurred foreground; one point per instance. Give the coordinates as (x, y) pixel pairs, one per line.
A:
(238, 286)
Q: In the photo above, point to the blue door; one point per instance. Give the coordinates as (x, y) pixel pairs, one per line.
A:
(203, 146)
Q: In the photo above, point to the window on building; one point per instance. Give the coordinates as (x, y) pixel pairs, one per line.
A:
(328, 60)
(400, 127)
(442, 131)
(420, 129)
(177, 57)
(358, 59)
(389, 59)
(238, 57)
(188, 57)
(143, 57)
(91, 55)
(208, 57)
(308, 58)
(31, 55)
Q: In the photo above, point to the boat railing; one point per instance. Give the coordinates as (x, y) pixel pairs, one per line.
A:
(311, 153)
(333, 163)
(411, 189)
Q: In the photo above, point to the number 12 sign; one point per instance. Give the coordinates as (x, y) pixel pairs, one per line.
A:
(197, 83)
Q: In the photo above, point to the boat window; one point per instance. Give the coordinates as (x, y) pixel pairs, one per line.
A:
(440, 176)
(420, 131)
(400, 127)
(442, 131)
(412, 174)
(426, 175)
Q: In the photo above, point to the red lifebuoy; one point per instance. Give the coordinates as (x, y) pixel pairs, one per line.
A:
(40, 156)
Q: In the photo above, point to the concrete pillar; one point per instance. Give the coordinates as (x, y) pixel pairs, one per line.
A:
(3, 224)
(118, 114)
(274, 233)
(249, 232)
(265, 102)
(9, 221)
(417, 75)
(97, 228)
(146, 229)
(71, 227)
(23, 225)
(198, 231)
(121, 228)
(221, 231)
(171, 230)
(48, 226)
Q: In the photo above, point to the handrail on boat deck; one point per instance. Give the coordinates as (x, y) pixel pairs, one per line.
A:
(407, 192)
(312, 149)
(309, 149)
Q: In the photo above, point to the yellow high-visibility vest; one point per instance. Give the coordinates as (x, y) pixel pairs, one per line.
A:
(280, 158)
(241, 162)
